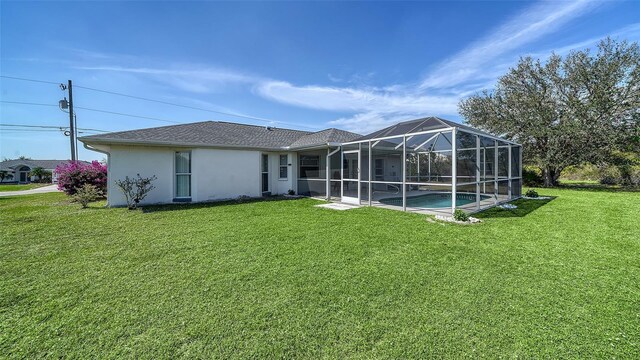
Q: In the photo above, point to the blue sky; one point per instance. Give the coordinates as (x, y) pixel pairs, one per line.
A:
(306, 65)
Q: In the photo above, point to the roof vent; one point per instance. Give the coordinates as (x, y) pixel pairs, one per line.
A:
(269, 128)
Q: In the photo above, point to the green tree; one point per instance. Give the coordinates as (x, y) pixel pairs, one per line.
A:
(40, 173)
(565, 111)
(5, 175)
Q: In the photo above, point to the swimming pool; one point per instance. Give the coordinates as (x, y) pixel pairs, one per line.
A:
(434, 200)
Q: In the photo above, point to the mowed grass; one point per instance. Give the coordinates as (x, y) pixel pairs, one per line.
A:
(18, 187)
(285, 279)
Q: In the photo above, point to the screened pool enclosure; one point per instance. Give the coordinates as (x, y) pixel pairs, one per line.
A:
(426, 165)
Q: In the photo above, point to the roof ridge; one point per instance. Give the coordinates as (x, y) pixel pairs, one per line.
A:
(346, 131)
(445, 123)
(210, 133)
(263, 126)
(332, 130)
(155, 127)
(323, 130)
(303, 132)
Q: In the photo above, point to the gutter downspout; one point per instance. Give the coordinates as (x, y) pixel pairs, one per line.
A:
(328, 167)
(94, 149)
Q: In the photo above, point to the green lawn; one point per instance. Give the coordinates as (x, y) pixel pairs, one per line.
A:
(552, 279)
(18, 187)
(579, 182)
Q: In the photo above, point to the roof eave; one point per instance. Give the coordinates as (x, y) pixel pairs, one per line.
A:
(314, 146)
(154, 143)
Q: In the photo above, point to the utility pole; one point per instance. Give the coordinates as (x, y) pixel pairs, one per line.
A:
(72, 132)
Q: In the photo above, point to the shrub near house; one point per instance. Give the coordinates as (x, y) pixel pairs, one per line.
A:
(73, 175)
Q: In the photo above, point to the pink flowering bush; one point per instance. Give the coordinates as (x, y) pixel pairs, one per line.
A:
(74, 175)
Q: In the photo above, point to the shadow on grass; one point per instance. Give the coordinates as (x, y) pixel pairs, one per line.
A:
(21, 196)
(211, 204)
(597, 187)
(525, 207)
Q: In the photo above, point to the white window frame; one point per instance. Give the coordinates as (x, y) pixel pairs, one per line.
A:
(176, 174)
(263, 172)
(314, 161)
(285, 166)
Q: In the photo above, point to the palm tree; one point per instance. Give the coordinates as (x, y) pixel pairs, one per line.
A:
(5, 175)
(40, 173)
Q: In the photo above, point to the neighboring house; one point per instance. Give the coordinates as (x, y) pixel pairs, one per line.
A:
(19, 169)
(420, 165)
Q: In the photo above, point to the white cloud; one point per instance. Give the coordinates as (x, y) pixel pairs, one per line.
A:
(438, 93)
(197, 79)
(630, 33)
(374, 108)
(532, 24)
(367, 122)
(472, 69)
(354, 100)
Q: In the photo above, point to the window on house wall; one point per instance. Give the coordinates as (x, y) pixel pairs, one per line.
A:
(183, 174)
(284, 168)
(379, 170)
(265, 173)
(309, 166)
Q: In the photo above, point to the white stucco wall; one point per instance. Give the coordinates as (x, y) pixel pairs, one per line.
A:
(224, 174)
(278, 185)
(146, 161)
(216, 174)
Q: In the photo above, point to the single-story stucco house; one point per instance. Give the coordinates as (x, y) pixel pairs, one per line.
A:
(18, 170)
(429, 164)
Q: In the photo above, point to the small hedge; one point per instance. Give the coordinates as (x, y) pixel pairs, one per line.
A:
(86, 194)
(531, 193)
(460, 215)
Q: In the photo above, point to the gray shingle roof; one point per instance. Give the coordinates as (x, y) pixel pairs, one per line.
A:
(222, 134)
(325, 136)
(45, 164)
(413, 126)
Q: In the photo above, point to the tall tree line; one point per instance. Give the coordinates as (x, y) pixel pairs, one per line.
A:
(566, 110)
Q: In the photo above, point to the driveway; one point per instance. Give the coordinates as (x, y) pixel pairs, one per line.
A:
(40, 190)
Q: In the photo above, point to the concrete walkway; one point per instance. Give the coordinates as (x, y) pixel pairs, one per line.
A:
(40, 190)
(338, 206)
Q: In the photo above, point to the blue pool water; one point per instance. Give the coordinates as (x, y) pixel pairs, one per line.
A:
(433, 200)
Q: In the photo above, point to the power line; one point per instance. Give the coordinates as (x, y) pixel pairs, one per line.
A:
(96, 110)
(173, 104)
(187, 106)
(6, 130)
(49, 127)
(156, 101)
(3, 131)
(32, 80)
(26, 103)
(130, 115)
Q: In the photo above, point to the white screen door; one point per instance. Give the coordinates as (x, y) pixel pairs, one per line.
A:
(351, 177)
